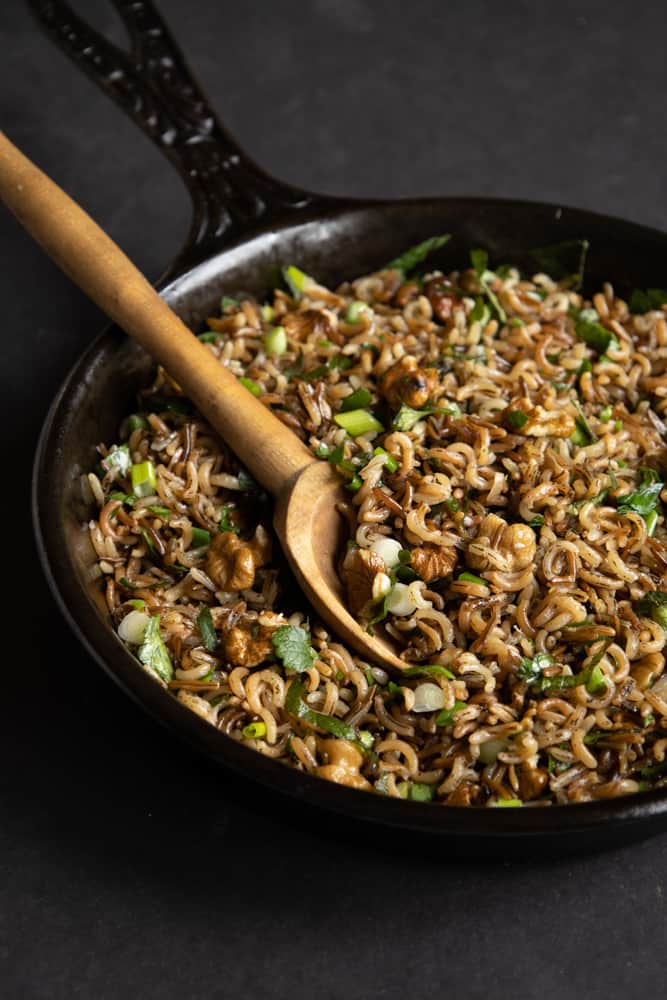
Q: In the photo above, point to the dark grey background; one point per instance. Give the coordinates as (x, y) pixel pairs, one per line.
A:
(128, 865)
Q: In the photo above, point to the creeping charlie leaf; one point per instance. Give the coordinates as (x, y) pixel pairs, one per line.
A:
(292, 646)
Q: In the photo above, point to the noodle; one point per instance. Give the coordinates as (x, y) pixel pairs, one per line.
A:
(505, 527)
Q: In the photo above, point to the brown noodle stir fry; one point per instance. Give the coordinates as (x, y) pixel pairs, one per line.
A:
(502, 444)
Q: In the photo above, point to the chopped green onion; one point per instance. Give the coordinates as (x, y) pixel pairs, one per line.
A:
(606, 414)
(297, 281)
(137, 603)
(254, 731)
(480, 313)
(143, 477)
(428, 670)
(390, 463)
(251, 386)
(275, 340)
(200, 537)
(596, 682)
(207, 629)
(209, 337)
(354, 484)
(515, 321)
(407, 417)
(537, 521)
(651, 520)
(160, 511)
(507, 803)
(358, 422)
(471, 578)
(227, 302)
(420, 792)
(366, 739)
(354, 311)
(267, 313)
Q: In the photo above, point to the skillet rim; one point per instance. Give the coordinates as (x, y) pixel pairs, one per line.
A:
(479, 823)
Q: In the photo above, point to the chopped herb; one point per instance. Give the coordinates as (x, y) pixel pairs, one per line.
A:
(516, 419)
(356, 400)
(267, 312)
(354, 484)
(428, 670)
(366, 739)
(118, 458)
(249, 485)
(592, 739)
(143, 479)
(410, 258)
(125, 498)
(171, 404)
(153, 652)
(358, 422)
(562, 261)
(480, 313)
(150, 544)
(355, 310)
(654, 605)
(275, 341)
(582, 423)
(653, 770)
(200, 537)
(447, 716)
(225, 523)
(390, 463)
(646, 498)
(531, 669)
(537, 521)
(209, 337)
(227, 302)
(132, 423)
(292, 646)
(507, 803)
(597, 499)
(471, 578)
(254, 730)
(420, 792)
(406, 418)
(480, 260)
(643, 302)
(251, 386)
(207, 629)
(137, 603)
(144, 586)
(160, 511)
(296, 704)
(594, 334)
(515, 321)
(297, 281)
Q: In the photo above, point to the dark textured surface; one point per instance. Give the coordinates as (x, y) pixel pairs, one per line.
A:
(129, 865)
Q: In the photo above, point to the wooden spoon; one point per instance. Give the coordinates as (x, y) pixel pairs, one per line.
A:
(306, 490)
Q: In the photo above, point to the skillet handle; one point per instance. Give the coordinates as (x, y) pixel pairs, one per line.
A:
(154, 86)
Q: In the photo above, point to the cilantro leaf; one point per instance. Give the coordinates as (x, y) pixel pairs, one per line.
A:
(654, 605)
(292, 646)
(153, 652)
(530, 669)
(646, 498)
(296, 704)
(594, 334)
(407, 417)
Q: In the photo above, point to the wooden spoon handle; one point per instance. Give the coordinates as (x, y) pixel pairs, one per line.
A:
(93, 261)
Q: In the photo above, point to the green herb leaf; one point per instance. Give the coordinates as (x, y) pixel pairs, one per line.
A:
(207, 629)
(295, 704)
(170, 404)
(566, 260)
(209, 337)
(132, 423)
(530, 669)
(594, 334)
(200, 537)
(292, 646)
(406, 418)
(516, 419)
(420, 792)
(448, 715)
(480, 260)
(537, 521)
(251, 386)
(118, 458)
(297, 281)
(645, 500)
(410, 258)
(153, 652)
(471, 578)
(428, 670)
(643, 302)
(226, 523)
(358, 422)
(254, 730)
(654, 605)
(356, 400)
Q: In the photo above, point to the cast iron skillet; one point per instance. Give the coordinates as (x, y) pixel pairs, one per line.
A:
(245, 225)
